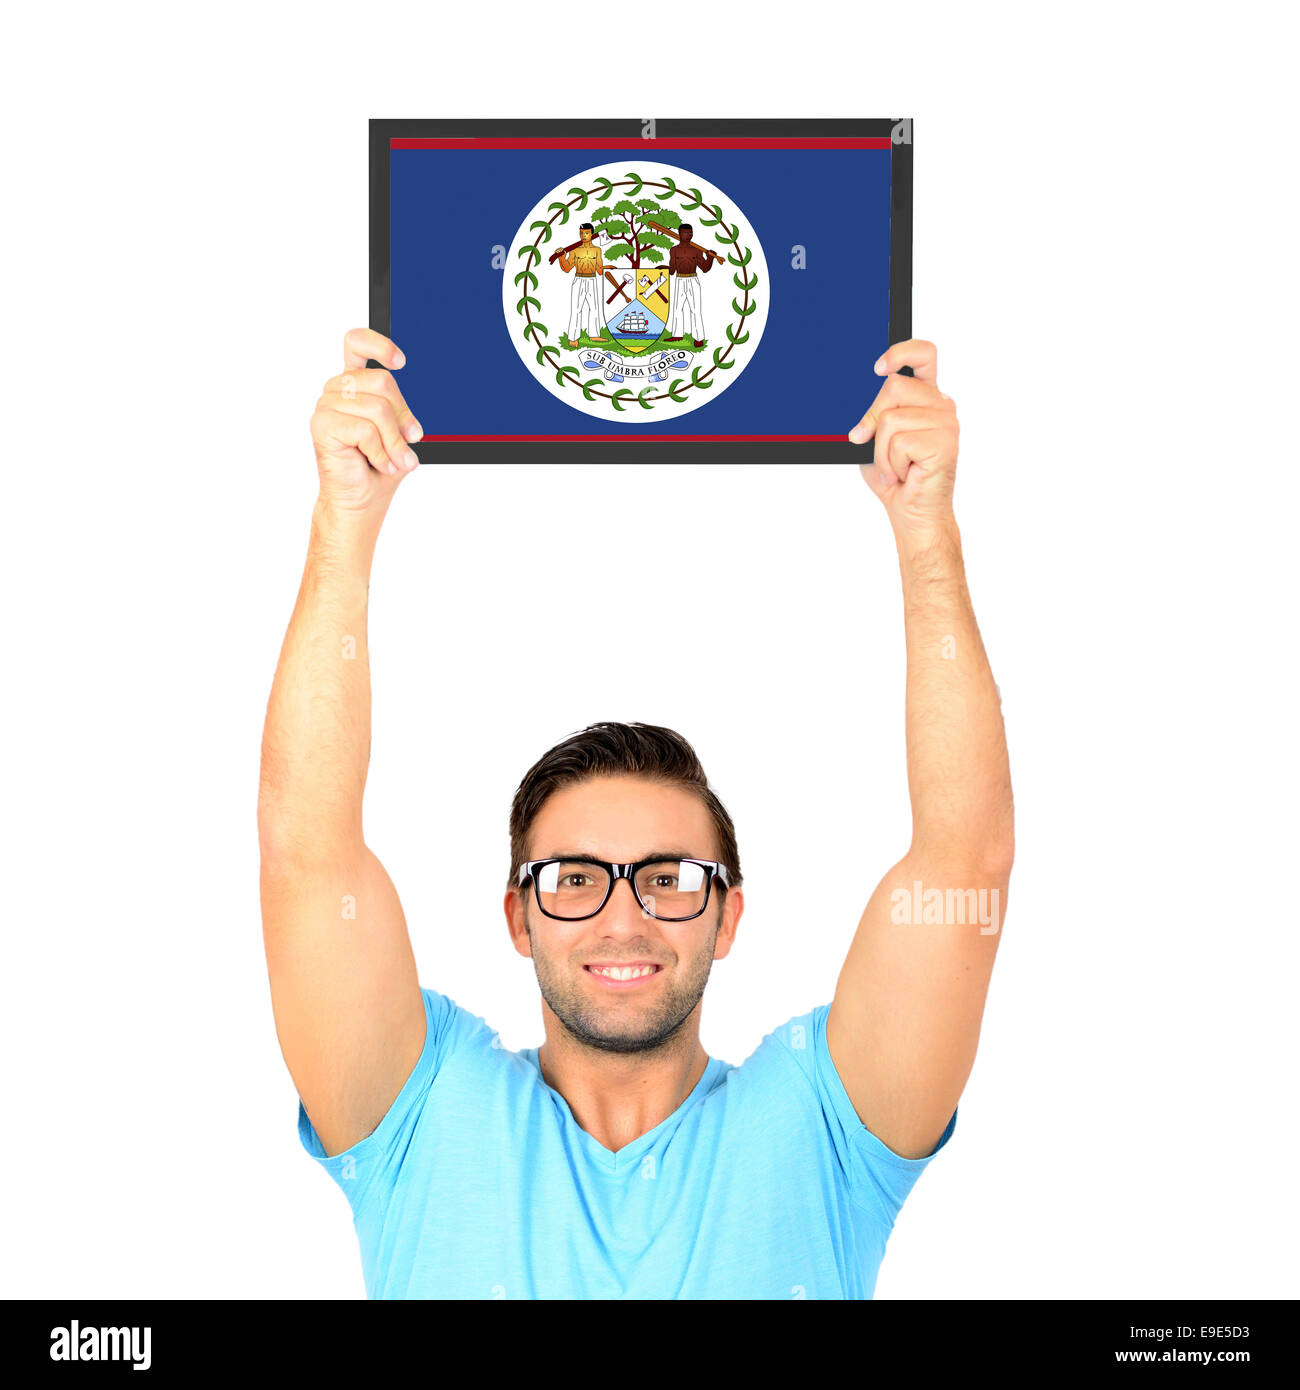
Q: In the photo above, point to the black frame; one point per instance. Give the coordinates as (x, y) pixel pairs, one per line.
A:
(528, 874)
(632, 451)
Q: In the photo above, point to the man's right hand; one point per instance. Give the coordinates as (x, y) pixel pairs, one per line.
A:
(362, 427)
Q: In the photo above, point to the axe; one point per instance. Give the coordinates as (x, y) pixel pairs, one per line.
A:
(619, 287)
(647, 284)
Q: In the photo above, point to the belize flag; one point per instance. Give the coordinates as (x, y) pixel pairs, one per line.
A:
(648, 291)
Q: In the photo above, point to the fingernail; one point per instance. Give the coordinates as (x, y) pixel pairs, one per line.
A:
(880, 368)
(392, 466)
(414, 432)
(412, 460)
(857, 434)
(400, 359)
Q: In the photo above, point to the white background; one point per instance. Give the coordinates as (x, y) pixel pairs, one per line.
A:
(1105, 256)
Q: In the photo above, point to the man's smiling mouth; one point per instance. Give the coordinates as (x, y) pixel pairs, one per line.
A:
(623, 973)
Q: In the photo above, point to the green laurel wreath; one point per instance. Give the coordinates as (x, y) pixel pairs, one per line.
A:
(744, 280)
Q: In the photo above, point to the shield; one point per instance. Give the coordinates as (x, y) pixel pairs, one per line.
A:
(636, 305)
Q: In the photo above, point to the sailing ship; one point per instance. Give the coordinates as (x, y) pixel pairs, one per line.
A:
(633, 324)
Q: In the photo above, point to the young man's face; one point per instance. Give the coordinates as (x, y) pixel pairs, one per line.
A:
(622, 820)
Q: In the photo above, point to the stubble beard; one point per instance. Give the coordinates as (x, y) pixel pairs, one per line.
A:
(655, 1026)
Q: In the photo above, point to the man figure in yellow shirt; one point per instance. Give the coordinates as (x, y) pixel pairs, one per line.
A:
(585, 306)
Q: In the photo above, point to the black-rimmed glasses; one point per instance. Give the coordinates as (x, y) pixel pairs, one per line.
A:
(672, 890)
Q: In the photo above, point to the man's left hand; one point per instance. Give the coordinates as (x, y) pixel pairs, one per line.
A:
(915, 428)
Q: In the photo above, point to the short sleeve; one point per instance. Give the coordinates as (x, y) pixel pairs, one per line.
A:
(878, 1178)
(379, 1154)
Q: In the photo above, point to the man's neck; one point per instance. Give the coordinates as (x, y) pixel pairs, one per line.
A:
(617, 1097)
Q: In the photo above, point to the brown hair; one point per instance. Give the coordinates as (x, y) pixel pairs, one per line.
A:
(615, 750)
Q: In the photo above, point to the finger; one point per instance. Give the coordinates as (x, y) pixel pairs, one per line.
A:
(889, 429)
(897, 391)
(397, 458)
(893, 422)
(379, 411)
(866, 427)
(883, 469)
(355, 432)
(922, 357)
(360, 344)
(908, 447)
(375, 381)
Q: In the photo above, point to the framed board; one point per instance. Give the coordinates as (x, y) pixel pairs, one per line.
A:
(619, 291)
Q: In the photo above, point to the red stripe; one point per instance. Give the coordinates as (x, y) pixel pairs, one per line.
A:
(679, 142)
(635, 438)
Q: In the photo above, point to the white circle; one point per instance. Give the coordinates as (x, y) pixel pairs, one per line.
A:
(554, 290)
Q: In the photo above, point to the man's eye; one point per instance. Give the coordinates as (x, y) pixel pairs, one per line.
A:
(568, 879)
(665, 880)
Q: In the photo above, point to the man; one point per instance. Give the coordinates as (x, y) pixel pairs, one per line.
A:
(685, 313)
(586, 307)
(618, 1159)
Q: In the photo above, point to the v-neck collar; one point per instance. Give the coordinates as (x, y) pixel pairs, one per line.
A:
(615, 1160)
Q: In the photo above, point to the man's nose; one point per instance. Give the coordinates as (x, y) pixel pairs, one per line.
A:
(627, 907)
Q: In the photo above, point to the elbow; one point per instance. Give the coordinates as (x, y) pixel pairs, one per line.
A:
(273, 802)
(288, 836)
(275, 821)
(995, 851)
(997, 858)
(302, 826)
(294, 841)
(992, 845)
(985, 863)
(278, 840)
(979, 859)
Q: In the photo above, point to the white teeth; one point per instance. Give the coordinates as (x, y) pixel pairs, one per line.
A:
(624, 972)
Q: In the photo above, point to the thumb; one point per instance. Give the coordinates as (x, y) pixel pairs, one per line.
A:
(865, 428)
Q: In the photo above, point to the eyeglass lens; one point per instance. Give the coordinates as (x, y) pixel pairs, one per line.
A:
(668, 889)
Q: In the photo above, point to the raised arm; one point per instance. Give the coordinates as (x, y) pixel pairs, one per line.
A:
(347, 1003)
(905, 1020)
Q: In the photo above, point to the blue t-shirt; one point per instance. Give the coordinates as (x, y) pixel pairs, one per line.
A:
(479, 1183)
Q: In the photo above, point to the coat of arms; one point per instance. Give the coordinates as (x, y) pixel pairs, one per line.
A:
(629, 282)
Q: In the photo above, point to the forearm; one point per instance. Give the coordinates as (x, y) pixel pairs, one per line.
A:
(957, 767)
(316, 743)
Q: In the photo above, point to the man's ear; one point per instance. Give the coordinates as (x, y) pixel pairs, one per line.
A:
(517, 922)
(733, 905)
